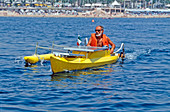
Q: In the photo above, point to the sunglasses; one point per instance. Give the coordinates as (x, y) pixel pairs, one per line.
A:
(98, 30)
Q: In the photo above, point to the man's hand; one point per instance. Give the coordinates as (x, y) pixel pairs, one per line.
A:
(111, 51)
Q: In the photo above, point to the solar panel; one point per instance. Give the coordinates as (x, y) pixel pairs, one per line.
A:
(85, 48)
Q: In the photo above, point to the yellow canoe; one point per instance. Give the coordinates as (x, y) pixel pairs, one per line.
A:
(77, 58)
(81, 60)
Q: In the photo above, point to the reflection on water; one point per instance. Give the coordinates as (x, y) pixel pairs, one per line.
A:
(102, 70)
(61, 76)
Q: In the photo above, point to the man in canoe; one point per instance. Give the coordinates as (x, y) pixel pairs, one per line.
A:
(99, 39)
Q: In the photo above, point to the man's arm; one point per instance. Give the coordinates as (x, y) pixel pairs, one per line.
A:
(89, 42)
(112, 44)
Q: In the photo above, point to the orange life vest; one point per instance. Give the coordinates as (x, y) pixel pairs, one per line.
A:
(94, 40)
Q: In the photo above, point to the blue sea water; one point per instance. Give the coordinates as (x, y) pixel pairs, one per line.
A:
(140, 83)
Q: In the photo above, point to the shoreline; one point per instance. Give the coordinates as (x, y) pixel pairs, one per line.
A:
(80, 15)
(70, 16)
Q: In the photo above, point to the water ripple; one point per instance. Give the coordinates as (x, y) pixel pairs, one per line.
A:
(138, 83)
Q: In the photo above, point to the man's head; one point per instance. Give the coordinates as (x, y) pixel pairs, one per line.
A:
(99, 31)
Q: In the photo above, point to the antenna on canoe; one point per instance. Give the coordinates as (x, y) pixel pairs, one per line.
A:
(52, 47)
(36, 48)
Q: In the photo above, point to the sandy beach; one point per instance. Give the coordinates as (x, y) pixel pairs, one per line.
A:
(81, 15)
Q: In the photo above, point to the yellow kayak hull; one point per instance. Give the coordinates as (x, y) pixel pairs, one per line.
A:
(35, 58)
(60, 64)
